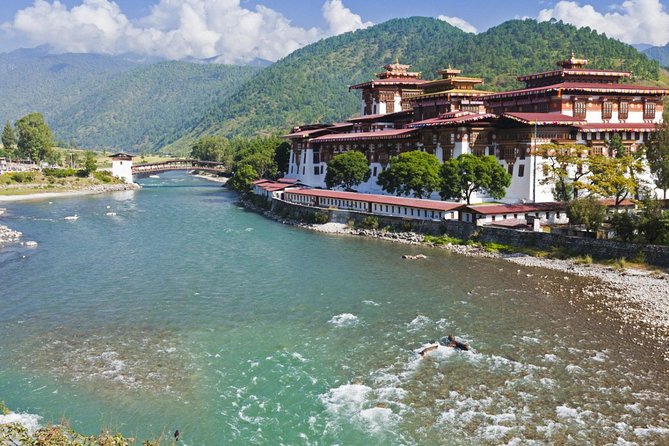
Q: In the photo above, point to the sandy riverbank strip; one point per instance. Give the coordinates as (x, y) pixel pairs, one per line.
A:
(97, 189)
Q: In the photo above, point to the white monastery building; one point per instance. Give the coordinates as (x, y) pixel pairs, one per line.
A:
(450, 116)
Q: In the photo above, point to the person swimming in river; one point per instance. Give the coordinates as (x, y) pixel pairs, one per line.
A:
(449, 341)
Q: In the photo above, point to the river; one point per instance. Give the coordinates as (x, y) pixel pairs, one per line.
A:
(183, 310)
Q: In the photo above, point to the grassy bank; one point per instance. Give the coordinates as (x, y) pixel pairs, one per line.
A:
(53, 180)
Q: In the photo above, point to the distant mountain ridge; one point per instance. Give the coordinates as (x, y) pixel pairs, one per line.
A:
(658, 53)
(310, 85)
(131, 103)
(127, 102)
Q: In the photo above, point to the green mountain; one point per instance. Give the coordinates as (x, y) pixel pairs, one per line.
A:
(310, 85)
(34, 80)
(147, 107)
(658, 53)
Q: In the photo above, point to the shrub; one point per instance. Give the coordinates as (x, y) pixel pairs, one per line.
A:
(22, 177)
(370, 222)
(497, 247)
(583, 260)
(620, 264)
(442, 240)
(321, 217)
(104, 176)
(58, 173)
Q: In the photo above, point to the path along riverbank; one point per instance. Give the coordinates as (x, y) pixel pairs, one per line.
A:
(639, 298)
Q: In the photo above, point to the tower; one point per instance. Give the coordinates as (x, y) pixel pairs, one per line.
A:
(122, 166)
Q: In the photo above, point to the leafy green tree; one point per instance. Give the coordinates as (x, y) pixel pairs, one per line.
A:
(587, 211)
(282, 157)
(347, 170)
(8, 139)
(653, 223)
(616, 147)
(466, 174)
(626, 226)
(657, 154)
(90, 163)
(610, 177)
(410, 173)
(35, 139)
(243, 178)
(209, 148)
(563, 166)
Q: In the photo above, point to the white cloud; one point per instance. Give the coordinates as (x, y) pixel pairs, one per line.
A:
(340, 19)
(459, 23)
(635, 21)
(174, 29)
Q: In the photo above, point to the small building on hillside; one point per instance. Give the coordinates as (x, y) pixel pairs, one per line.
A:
(381, 205)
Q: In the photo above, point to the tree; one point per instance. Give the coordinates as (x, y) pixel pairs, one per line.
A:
(209, 148)
(563, 166)
(409, 173)
(8, 139)
(616, 147)
(466, 174)
(587, 212)
(243, 178)
(347, 170)
(90, 164)
(657, 154)
(282, 157)
(35, 139)
(611, 178)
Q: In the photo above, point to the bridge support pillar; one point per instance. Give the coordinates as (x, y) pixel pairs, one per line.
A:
(122, 166)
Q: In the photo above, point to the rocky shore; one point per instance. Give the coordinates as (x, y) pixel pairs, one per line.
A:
(639, 298)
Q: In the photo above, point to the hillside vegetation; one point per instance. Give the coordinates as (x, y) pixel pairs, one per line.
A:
(310, 85)
(147, 107)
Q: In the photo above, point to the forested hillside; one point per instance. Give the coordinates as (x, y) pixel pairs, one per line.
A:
(310, 85)
(147, 107)
(32, 80)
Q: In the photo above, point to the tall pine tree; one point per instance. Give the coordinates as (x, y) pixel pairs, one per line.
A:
(8, 139)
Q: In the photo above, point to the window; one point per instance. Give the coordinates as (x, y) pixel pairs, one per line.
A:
(510, 169)
(521, 170)
(623, 110)
(649, 110)
(317, 170)
(579, 109)
(374, 172)
(607, 110)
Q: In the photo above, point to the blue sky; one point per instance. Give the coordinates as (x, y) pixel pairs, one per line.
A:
(240, 30)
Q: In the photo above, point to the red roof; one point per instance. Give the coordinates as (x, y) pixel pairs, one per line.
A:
(380, 199)
(543, 118)
(453, 118)
(618, 127)
(610, 202)
(497, 209)
(379, 116)
(575, 72)
(389, 81)
(590, 87)
(381, 134)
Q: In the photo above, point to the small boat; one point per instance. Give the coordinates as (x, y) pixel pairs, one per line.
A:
(111, 214)
(71, 217)
(154, 176)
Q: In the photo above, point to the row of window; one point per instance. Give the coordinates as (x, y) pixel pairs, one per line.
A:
(580, 108)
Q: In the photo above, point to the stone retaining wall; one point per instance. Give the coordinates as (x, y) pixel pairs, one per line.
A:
(603, 249)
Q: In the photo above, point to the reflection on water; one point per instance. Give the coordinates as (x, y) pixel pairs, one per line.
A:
(185, 311)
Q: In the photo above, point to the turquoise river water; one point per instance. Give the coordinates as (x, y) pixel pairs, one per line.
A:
(185, 311)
